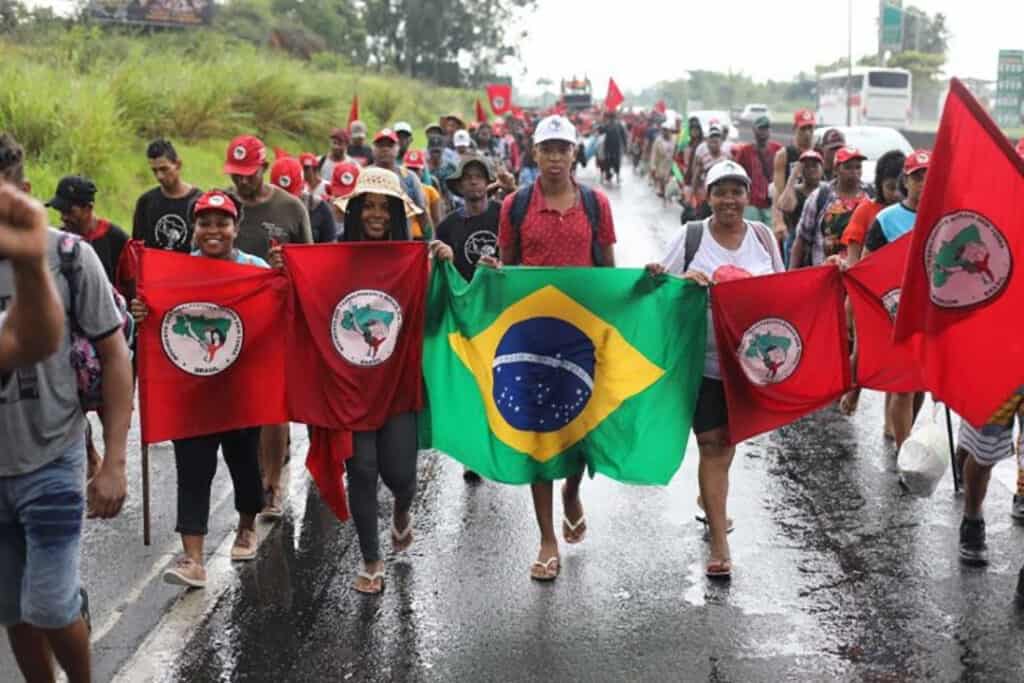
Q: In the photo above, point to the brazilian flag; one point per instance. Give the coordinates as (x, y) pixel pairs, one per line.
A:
(534, 373)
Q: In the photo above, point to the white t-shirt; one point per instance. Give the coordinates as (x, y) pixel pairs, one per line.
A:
(721, 264)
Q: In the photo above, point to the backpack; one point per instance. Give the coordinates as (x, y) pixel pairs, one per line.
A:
(85, 360)
(521, 202)
(695, 233)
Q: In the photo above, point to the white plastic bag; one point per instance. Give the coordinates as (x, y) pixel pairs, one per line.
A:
(924, 457)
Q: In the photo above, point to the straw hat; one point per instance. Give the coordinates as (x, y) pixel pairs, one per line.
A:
(375, 180)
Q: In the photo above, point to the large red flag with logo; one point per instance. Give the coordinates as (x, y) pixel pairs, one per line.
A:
(614, 97)
(873, 286)
(962, 293)
(355, 333)
(212, 349)
(782, 346)
(500, 96)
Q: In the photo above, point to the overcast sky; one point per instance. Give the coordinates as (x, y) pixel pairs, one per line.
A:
(646, 41)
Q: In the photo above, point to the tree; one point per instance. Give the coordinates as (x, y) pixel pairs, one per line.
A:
(337, 22)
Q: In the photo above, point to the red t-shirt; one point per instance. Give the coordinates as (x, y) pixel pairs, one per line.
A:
(760, 170)
(550, 238)
(863, 216)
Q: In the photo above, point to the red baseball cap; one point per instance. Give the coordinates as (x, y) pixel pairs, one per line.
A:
(916, 161)
(215, 200)
(848, 154)
(414, 159)
(804, 117)
(246, 155)
(812, 154)
(286, 173)
(386, 134)
(343, 179)
(308, 159)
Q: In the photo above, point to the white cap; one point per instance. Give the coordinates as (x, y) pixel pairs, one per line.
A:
(555, 128)
(402, 127)
(727, 170)
(462, 139)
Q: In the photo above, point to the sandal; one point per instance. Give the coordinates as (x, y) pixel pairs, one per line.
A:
(707, 528)
(718, 569)
(370, 579)
(550, 569)
(400, 540)
(573, 532)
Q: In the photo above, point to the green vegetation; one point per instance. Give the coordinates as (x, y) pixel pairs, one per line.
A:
(85, 100)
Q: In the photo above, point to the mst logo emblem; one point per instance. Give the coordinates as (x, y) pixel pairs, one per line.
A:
(202, 338)
(365, 327)
(967, 259)
(770, 351)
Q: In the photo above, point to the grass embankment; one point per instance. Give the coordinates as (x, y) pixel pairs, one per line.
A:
(89, 102)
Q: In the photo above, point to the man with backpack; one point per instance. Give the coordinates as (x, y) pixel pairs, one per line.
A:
(43, 492)
(556, 222)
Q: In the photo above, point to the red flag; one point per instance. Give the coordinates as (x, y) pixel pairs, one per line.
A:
(353, 112)
(560, 108)
(211, 351)
(614, 97)
(782, 346)
(873, 286)
(356, 326)
(328, 451)
(660, 107)
(500, 96)
(481, 115)
(962, 295)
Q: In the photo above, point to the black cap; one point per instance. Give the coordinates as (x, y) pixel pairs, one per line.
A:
(73, 190)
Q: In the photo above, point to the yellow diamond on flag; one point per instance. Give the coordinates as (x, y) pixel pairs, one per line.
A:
(550, 371)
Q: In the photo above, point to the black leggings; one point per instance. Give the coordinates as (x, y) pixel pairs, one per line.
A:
(196, 459)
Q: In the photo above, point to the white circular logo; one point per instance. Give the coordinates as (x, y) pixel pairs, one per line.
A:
(171, 231)
(967, 260)
(202, 338)
(480, 243)
(891, 303)
(366, 326)
(239, 152)
(499, 102)
(770, 351)
(216, 200)
(922, 158)
(347, 178)
(285, 181)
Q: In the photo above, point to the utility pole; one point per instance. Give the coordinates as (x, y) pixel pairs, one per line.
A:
(849, 60)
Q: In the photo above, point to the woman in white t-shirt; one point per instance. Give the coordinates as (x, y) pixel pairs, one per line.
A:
(720, 248)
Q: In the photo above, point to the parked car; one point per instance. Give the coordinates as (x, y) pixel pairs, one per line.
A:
(872, 141)
(706, 116)
(751, 112)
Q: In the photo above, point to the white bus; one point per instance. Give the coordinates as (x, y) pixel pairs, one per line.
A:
(877, 97)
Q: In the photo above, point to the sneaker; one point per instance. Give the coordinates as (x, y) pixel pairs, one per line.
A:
(86, 616)
(973, 550)
(186, 572)
(1017, 509)
(245, 546)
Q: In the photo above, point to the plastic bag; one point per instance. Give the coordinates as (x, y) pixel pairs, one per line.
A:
(924, 457)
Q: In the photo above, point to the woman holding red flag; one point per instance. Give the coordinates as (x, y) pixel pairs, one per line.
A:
(216, 216)
(717, 249)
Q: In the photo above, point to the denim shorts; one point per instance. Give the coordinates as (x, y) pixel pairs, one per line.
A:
(40, 533)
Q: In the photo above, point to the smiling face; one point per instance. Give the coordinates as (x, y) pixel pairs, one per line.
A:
(215, 233)
(728, 198)
(376, 216)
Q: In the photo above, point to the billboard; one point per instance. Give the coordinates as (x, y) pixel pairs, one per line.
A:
(1010, 89)
(179, 13)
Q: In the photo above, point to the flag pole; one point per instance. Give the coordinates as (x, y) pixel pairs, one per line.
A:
(957, 484)
(145, 495)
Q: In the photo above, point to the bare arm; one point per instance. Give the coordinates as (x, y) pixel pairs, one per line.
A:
(787, 201)
(796, 254)
(107, 491)
(779, 181)
(608, 255)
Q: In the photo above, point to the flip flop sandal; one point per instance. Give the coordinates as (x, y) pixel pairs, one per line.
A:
(370, 579)
(400, 540)
(718, 569)
(571, 532)
(550, 574)
(707, 529)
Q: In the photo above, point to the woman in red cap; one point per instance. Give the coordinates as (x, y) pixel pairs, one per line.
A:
(215, 217)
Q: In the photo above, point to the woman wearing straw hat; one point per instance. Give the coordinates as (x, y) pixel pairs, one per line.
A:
(378, 210)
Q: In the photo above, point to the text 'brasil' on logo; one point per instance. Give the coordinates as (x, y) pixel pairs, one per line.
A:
(770, 351)
(202, 338)
(366, 326)
(550, 372)
(967, 259)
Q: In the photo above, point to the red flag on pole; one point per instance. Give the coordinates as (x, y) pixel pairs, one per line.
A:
(353, 112)
(481, 115)
(614, 97)
(355, 325)
(873, 286)
(782, 346)
(962, 294)
(211, 356)
(660, 107)
(500, 97)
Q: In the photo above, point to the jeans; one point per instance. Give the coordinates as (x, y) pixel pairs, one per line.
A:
(40, 535)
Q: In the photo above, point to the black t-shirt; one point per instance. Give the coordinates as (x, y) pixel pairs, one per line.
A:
(321, 220)
(362, 154)
(109, 246)
(471, 237)
(162, 222)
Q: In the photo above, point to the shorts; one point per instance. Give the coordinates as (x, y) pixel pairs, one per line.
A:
(40, 534)
(712, 411)
(994, 441)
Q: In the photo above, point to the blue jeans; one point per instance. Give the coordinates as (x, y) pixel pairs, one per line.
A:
(40, 534)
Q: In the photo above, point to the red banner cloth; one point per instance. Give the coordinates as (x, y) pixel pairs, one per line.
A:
(614, 97)
(500, 97)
